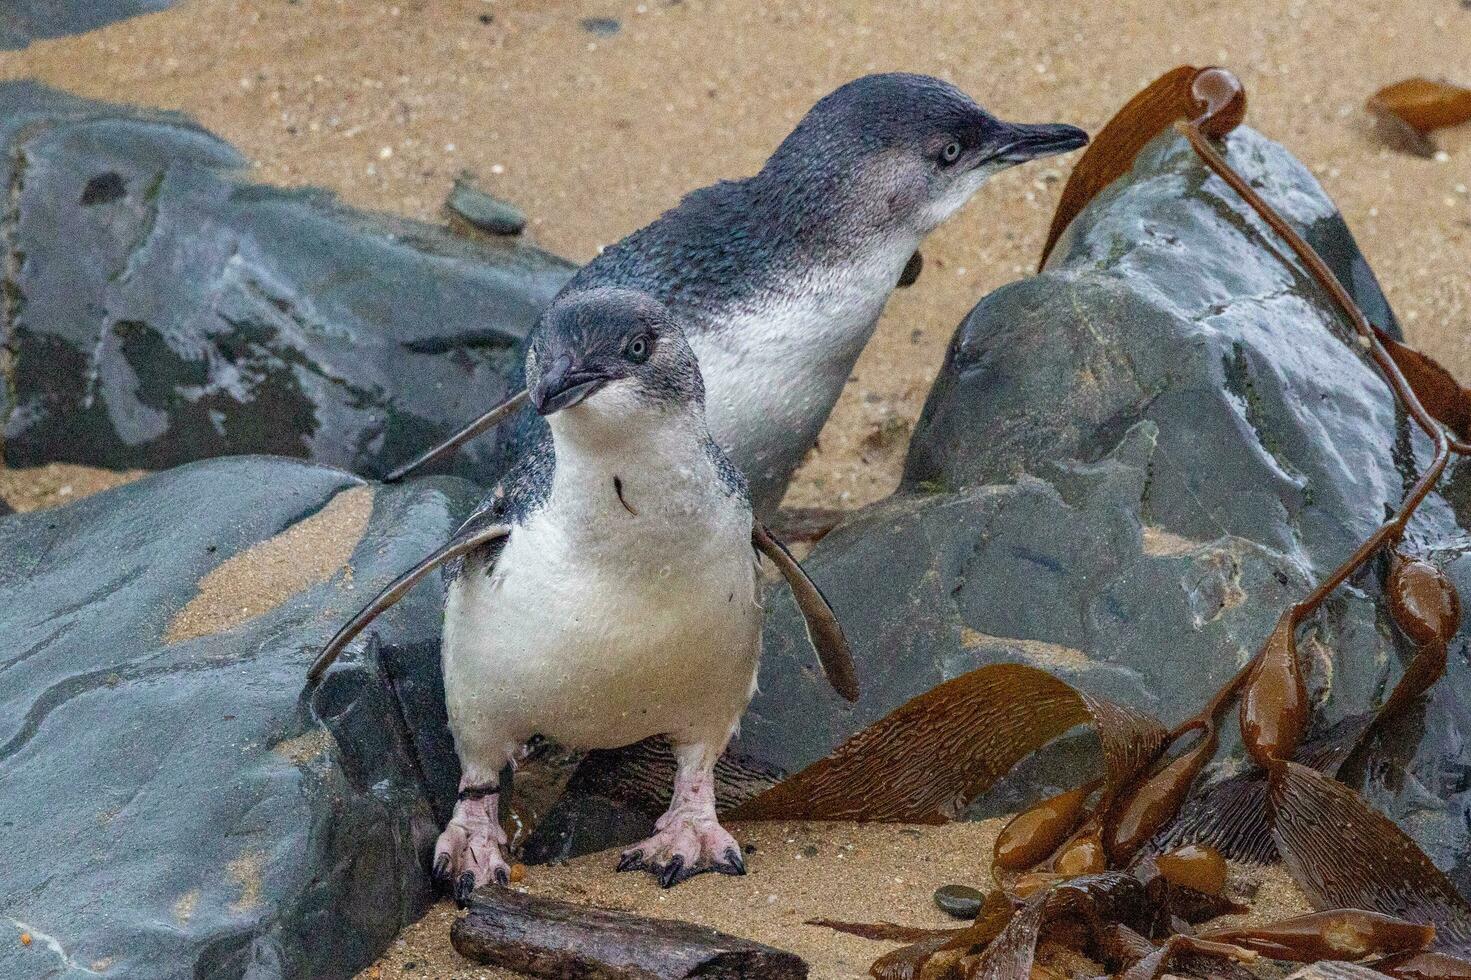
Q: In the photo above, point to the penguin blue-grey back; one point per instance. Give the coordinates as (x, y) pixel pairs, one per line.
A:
(779, 278)
(607, 591)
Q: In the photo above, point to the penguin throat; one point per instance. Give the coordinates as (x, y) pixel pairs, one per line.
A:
(592, 447)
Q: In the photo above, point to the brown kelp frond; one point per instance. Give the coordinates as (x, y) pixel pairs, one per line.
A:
(1408, 111)
(925, 760)
(1144, 809)
(1233, 815)
(1094, 900)
(1178, 948)
(1111, 153)
(944, 948)
(1274, 706)
(1423, 966)
(1337, 934)
(885, 931)
(1442, 395)
(1345, 854)
(1194, 866)
(1030, 836)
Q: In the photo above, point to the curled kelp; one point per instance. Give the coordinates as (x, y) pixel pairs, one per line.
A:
(1117, 869)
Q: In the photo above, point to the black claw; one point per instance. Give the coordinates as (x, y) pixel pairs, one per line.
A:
(631, 861)
(441, 872)
(734, 864)
(464, 887)
(671, 874)
(503, 876)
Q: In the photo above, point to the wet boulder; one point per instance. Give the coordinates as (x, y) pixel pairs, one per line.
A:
(175, 805)
(161, 309)
(1129, 465)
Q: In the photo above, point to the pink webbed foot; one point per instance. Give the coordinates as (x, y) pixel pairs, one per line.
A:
(471, 850)
(688, 839)
(682, 848)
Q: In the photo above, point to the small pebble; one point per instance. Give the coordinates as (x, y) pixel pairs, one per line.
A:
(960, 901)
(518, 873)
(484, 211)
(602, 26)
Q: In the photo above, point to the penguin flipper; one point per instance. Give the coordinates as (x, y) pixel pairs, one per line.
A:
(823, 629)
(489, 420)
(474, 534)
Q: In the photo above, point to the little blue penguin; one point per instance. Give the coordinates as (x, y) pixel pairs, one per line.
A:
(780, 278)
(608, 590)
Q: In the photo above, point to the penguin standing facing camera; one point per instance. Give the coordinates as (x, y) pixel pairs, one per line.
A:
(608, 591)
(780, 278)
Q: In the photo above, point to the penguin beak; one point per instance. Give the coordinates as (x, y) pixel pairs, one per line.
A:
(1020, 142)
(564, 384)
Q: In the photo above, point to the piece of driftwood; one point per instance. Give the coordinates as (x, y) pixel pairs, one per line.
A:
(543, 937)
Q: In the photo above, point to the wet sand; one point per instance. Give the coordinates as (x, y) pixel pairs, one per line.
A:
(385, 102)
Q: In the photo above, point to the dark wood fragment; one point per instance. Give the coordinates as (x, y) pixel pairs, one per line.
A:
(543, 937)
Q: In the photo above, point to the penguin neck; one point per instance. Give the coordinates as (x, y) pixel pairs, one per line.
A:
(809, 213)
(836, 263)
(659, 457)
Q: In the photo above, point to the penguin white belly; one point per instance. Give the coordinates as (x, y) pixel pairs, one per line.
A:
(772, 376)
(601, 650)
(766, 429)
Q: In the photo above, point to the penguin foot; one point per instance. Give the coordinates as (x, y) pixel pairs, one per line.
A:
(468, 855)
(682, 849)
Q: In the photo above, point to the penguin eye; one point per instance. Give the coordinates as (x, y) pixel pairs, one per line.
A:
(950, 153)
(639, 348)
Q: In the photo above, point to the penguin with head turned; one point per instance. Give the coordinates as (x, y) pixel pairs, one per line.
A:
(608, 590)
(780, 278)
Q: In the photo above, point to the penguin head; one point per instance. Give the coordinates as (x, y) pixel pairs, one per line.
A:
(904, 152)
(611, 356)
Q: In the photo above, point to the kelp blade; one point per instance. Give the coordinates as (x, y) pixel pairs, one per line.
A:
(1345, 854)
(1424, 104)
(1438, 390)
(1111, 153)
(922, 762)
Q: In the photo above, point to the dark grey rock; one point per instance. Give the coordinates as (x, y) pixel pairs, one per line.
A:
(180, 809)
(24, 21)
(488, 213)
(1137, 256)
(1128, 467)
(160, 309)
